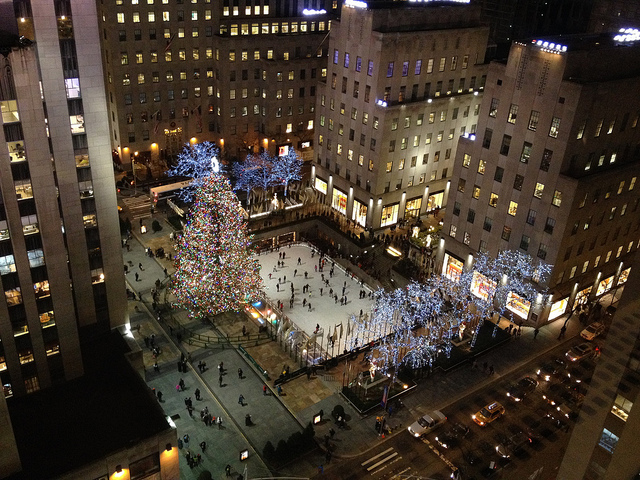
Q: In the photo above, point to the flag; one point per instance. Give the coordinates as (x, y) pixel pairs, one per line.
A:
(348, 328)
(169, 42)
(335, 335)
(197, 111)
(156, 117)
(341, 332)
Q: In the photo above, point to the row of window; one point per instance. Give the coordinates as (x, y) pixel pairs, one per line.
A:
(610, 126)
(513, 206)
(587, 263)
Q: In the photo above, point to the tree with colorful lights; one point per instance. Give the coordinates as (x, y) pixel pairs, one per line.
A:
(287, 169)
(215, 271)
(196, 162)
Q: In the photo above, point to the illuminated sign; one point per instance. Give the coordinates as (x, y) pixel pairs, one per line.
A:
(311, 11)
(382, 103)
(320, 185)
(627, 35)
(355, 4)
(550, 47)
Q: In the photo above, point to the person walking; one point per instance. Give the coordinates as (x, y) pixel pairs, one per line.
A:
(219, 422)
(140, 266)
(159, 396)
(220, 380)
(241, 400)
(203, 446)
(264, 389)
(181, 384)
(535, 333)
(227, 470)
(197, 393)
(137, 277)
(240, 373)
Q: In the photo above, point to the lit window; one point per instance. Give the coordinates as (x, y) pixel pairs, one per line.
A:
(557, 198)
(513, 208)
(555, 127)
(539, 190)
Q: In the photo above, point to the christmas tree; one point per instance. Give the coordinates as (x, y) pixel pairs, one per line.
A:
(215, 271)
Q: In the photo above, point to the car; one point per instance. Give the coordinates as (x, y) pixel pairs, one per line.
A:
(451, 437)
(512, 445)
(488, 414)
(551, 369)
(427, 423)
(519, 390)
(592, 331)
(584, 350)
(553, 394)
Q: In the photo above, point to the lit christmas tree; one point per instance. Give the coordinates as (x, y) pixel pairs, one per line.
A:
(215, 271)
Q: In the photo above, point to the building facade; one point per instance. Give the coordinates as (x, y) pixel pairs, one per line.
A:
(243, 76)
(403, 84)
(552, 171)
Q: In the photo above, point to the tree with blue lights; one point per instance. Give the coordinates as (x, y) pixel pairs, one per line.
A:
(287, 169)
(414, 324)
(247, 175)
(196, 161)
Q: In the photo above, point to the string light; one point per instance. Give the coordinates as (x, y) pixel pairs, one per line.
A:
(196, 162)
(215, 271)
(417, 323)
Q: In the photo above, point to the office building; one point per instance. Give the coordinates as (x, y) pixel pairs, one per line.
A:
(61, 259)
(604, 441)
(553, 169)
(243, 76)
(404, 82)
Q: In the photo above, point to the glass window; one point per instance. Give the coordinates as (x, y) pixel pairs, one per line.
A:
(533, 120)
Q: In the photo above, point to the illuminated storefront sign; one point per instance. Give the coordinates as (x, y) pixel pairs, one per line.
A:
(435, 201)
(310, 11)
(558, 308)
(604, 286)
(355, 4)
(452, 267)
(583, 295)
(624, 276)
(518, 305)
(482, 287)
(320, 185)
(412, 208)
(389, 215)
(359, 213)
(339, 201)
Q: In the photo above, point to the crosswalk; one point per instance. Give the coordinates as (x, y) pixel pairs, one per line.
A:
(383, 464)
(139, 207)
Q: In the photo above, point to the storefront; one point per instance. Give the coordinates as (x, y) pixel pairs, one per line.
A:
(359, 213)
(452, 267)
(412, 208)
(582, 296)
(624, 276)
(482, 287)
(558, 308)
(604, 286)
(435, 201)
(320, 185)
(389, 215)
(339, 201)
(518, 305)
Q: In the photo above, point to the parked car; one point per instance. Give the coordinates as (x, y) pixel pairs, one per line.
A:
(427, 423)
(488, 414)
(519, 390)
(592, 331)
(584, 350)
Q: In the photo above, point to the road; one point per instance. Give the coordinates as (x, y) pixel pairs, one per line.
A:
(404, 456)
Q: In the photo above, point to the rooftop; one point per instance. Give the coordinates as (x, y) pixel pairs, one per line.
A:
(110, 408)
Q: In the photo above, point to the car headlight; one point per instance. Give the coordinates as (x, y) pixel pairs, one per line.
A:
(508, 394)
(473, 416)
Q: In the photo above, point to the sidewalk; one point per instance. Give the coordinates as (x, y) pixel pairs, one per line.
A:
(276, 417)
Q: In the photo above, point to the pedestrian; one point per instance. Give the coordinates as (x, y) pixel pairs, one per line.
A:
(140, 266)
(299, 261)
(137, 277)
(306, 274)
(190, 410)
(304, 302)
(309, 306)
(166, 274)
(320, 291)
(221, 368)
(159, 396)
(244, 330)
(535, 333)
(156, 367)
(181, 383)
(220, 380)
(240, 373)
(219, 422)
(295, 272)
(241, 400)
(203, 446)
(264, 389)
(185, 438)
(227, 470)
(280, 390)
(285, 279)
(197, 393)
(491, 370)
